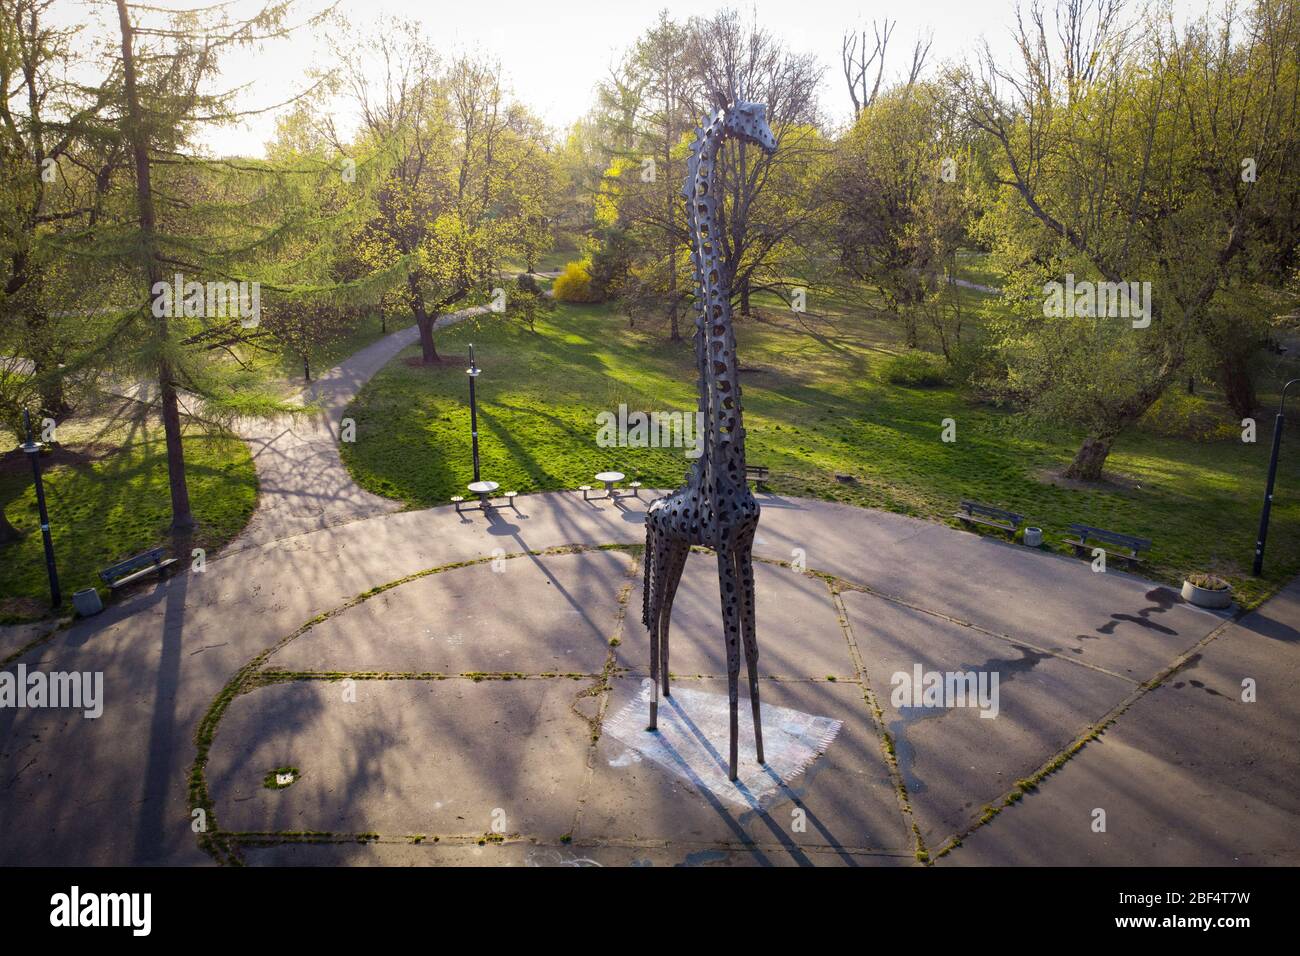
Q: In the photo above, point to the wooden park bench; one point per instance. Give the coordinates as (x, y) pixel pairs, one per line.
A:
(973, 512)
(756, 473)
(133, 569)
(1129, 547)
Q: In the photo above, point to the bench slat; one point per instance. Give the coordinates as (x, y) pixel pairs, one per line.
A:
(143, 573)
(972, 508)
(1130, 541)
(149, 560)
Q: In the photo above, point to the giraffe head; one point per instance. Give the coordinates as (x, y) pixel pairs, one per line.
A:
(748, 122)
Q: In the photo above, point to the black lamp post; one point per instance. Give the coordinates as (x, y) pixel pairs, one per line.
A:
(33, 451)
(1272, 474)
(473, 372)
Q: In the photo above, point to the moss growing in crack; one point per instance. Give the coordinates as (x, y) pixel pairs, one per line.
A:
(223, 846)
(478, 676)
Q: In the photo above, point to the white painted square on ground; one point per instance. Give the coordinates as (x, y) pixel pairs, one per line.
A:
(693, 743)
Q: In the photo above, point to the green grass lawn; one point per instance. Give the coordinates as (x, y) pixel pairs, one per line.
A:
(552, 261)
(974, 266)
(815, 406)
(108, 499)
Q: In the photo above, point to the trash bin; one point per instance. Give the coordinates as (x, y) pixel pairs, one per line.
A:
(87, 602)
(1033, 537)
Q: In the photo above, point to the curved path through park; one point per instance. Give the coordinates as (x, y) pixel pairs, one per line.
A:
(303, 485)
(431, 675)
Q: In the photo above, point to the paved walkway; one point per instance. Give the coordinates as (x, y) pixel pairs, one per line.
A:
(303, 485)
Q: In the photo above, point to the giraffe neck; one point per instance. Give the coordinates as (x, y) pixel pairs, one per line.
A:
(723, 460)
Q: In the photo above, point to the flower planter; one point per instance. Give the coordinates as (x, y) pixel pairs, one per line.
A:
(1207, 597)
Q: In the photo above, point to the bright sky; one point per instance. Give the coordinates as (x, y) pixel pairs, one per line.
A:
(555, 52)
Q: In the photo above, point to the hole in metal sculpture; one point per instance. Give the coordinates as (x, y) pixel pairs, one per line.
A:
(715, 487)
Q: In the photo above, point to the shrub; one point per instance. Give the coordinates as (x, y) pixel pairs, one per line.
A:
(1180, 415)
(974, 363)
(610, 263)
(529, 305)
(914, 370)
(574, 283)
(1210, 582)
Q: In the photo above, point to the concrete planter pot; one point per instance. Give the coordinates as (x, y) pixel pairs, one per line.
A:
(87, 602)
(1215, 599)
(1033, 537)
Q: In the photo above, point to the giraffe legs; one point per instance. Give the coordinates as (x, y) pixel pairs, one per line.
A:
(667, 551)
(744, 560)
(728, 584)
(678, 551)
(656, 564)
(665, 557)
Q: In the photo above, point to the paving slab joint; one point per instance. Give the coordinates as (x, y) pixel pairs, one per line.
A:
(1027, 785)
(920, 851)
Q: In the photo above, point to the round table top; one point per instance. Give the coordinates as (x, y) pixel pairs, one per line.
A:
(610, 476)
(482, 487)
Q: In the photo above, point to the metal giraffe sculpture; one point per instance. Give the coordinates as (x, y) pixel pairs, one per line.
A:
(715, 509)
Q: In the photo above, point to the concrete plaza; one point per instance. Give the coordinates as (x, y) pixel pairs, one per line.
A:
(471, 689)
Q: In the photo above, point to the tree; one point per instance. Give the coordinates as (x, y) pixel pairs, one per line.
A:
(138, 135)
(529, 303)
(302, 327)
(197, 236)
(769, 202)
(57, 174)
(1121, 159)
(451, 206)
(651, 102)
(899, 216)
(856, 62)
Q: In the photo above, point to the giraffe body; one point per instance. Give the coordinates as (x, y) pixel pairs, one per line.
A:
(715, 509)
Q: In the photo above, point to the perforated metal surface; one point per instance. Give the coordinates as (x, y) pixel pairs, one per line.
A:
(715, 508)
